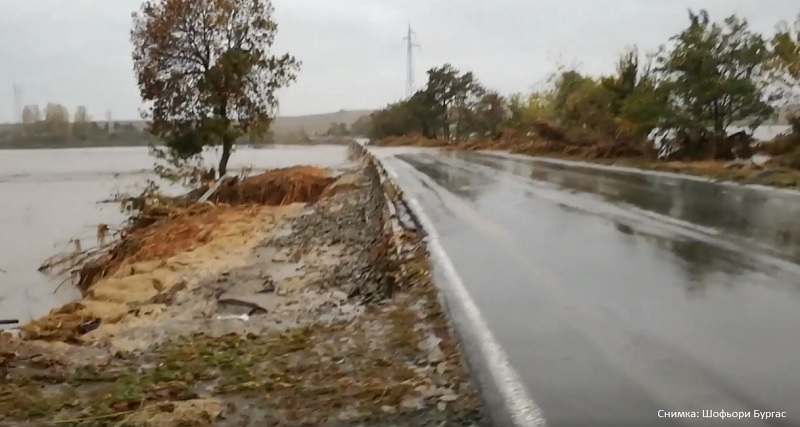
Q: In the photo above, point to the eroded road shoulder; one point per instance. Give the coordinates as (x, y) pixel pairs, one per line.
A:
(330, 317)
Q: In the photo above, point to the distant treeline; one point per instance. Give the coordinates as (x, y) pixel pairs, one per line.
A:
(707, 79)
(54, 127)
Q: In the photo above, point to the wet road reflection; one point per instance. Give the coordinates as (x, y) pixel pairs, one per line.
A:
(617, 294)
(766, 218)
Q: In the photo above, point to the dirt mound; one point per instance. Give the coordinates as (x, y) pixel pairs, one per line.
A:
(299, 184)
(160, 229)
(180, 230)
(136, 287)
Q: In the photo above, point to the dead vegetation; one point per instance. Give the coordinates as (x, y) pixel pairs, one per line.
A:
(716, 159)
(785, 149)
(414, 140)
(299, 184)
(160, 227)
(550, 139)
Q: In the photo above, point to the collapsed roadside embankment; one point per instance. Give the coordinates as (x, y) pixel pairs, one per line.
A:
(553, 142)
(252, 310)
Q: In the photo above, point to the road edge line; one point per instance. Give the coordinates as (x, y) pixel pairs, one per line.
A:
(521, 408)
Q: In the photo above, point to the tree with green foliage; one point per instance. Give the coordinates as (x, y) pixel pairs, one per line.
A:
(453, 93)
(539, 105)
(488, 115)
(580, 101)
(716, 75)
(708, 77)
(517, 112)
(786, 47)
(639, 100)
(416, 115)
(207, 74)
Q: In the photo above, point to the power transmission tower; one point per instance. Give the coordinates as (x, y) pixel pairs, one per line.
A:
(410, 45)
(17, 104)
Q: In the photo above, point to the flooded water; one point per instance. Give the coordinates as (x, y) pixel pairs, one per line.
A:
(52, 196)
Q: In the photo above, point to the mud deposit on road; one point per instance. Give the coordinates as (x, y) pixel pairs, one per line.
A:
(304, 314)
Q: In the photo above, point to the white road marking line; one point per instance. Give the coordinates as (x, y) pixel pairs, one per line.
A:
(523, 410)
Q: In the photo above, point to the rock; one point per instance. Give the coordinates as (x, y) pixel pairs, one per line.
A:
(735, 164)
(433, 391)
(412, 403)
(268, 287)
(350, 415)
(389, 409)
(435, 355)
(242, 302)
(441, 406)
(449, 397)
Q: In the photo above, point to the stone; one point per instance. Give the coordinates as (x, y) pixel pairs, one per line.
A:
(448, 398)
(412, 403)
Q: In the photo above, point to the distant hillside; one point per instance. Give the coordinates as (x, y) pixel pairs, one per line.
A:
(316, 123)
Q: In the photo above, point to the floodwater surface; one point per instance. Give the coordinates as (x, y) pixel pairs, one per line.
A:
(48, 197)
(616, 295)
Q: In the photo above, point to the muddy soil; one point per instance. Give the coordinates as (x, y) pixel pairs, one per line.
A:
(320, 316)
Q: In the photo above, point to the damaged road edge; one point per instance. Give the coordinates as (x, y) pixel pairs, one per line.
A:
(486, 359)
(350, 329)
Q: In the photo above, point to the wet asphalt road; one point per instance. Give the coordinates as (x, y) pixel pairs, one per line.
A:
(616, 295)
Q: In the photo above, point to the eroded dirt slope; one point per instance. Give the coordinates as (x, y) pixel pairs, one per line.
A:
(305, 314)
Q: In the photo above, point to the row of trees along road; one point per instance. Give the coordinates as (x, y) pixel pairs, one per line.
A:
(708, 77)
(207, 74)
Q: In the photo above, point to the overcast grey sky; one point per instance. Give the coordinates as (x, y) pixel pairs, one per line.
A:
(77, 52)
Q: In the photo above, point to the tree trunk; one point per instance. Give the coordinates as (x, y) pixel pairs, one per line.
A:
(227, 141)
(227, 147)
